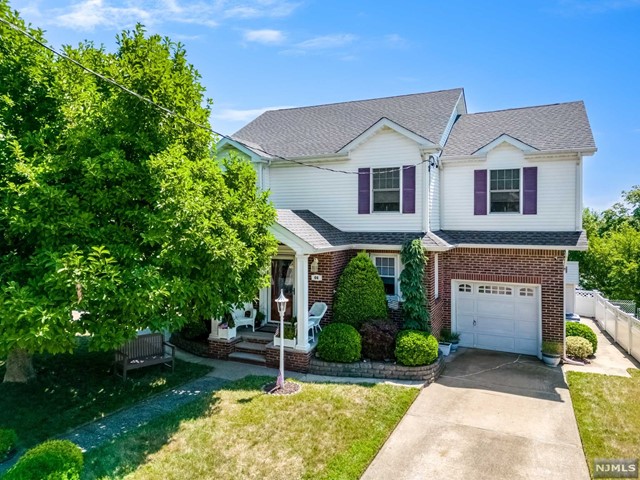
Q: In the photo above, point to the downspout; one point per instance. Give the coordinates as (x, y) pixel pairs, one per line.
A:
(427, 194)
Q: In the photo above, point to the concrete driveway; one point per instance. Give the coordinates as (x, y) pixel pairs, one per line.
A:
(490, 416)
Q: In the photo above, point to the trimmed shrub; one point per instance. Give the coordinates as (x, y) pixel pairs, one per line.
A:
(378, 339)
(8, 440)
(51, 460)
(360, 295)
(339, 342)
(579, 347)
(581, 330)
(415, 348)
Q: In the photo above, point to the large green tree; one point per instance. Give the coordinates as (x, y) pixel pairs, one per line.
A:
(612, 262)
(111, 207)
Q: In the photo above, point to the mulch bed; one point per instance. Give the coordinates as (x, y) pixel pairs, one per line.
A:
(289, 388)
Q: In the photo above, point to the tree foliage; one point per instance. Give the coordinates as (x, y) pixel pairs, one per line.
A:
(414, 306)
(360, 294)
(111, 207)
(612, 262)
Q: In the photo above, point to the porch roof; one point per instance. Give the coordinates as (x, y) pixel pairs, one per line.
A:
(320, 235)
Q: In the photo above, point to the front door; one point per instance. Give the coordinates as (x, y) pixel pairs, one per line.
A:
(282, 279)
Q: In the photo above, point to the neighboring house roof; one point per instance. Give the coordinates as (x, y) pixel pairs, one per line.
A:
(321, 235)
(326, 129)
(561, 126)
(576, 240)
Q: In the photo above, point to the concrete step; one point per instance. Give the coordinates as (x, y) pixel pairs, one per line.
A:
(257, 337)
(244, 357)
(250, 347)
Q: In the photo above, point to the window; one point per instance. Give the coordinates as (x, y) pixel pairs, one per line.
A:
(495, 290)
(388, 270)
(526, 292)
(504, 187)
(465, 287)
(386, 189)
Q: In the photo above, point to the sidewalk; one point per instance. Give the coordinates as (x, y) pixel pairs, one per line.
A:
(610, 358)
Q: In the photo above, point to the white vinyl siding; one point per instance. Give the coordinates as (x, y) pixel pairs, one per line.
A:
(556, 194)
(434, 199)
(334, 196)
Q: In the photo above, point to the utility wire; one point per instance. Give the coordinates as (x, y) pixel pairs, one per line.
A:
(173, 113)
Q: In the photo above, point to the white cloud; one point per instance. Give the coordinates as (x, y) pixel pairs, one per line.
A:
(258, 8)
(237, 115)
(265, 36)
(395, 40)
(327, 41)
(89, 14)
(118, 14)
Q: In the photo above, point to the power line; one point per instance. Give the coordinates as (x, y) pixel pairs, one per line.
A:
(173, 113)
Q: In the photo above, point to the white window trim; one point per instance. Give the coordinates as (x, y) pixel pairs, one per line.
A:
(520, 192)
(436, 267)
(399, 267)
(371, 209)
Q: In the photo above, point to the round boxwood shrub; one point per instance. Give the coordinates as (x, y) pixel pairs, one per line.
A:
(8, 440)
(51, 460)
(339, 342)
(414, 348)
(360, 295)
(378, 339)
(579, 347)
(581, 330)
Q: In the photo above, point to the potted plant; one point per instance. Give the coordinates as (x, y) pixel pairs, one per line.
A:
(444, 347)
(289, 336)
(447, 336)
(259, 319)
(227, 329)
(551, 353)
(454, 338)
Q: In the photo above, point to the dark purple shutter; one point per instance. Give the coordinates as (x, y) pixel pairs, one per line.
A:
(364, 190)
(479, 192)
(409, 189)
(530, 190)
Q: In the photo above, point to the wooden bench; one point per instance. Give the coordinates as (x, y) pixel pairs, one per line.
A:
(143, 351)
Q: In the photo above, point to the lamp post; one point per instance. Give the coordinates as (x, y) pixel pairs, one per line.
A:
(281, 303)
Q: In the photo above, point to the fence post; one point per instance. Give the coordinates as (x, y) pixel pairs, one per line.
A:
(630, 333)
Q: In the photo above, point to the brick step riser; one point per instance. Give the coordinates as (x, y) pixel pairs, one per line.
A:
(248, 350)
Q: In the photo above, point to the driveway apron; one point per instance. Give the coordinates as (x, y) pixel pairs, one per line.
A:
(490, 416)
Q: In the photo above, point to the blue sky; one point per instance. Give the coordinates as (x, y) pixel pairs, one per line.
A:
(260, 54)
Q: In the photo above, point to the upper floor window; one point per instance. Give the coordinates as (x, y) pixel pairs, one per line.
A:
(386, 189)
(504, 188)
(388, 269)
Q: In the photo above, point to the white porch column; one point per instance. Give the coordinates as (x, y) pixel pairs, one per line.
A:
(302, 301)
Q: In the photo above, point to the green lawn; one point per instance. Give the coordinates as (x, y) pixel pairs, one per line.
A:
(608, 414)
(73, 389)
(327, 431)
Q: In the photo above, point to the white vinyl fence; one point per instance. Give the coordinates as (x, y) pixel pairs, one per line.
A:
(622, 326)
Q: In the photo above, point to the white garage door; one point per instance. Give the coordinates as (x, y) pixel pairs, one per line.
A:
(497, 316)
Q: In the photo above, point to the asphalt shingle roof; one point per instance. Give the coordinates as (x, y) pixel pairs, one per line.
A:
(325, 129)
(562, 126)
(322, 235)
(493, 238)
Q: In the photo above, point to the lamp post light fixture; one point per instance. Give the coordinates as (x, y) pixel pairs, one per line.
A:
(281, 303)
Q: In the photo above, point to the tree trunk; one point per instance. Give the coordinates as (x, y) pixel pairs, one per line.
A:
(19, 367)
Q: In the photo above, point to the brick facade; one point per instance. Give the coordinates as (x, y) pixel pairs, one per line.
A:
(294, 360)
(330, 266)
(221, 348)
(541, 267)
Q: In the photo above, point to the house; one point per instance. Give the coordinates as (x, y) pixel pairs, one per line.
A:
(495, 197)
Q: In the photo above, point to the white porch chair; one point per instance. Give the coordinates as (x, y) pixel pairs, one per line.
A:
(240, 318)
(316, 313)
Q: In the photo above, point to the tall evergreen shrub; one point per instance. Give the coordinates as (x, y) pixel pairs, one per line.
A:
(360, 295)
(414, 306)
